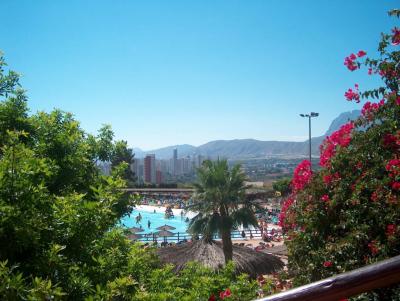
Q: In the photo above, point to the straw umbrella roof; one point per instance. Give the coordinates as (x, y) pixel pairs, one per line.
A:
(135, 229)
(166, 228)
(277, 250)
(164, 233)
(134, 236)
(211, 255)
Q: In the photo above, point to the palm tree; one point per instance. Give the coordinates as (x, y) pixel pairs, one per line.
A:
(221, 204)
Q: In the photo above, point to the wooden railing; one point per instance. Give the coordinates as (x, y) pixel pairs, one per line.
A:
(181, 236)
(381, 274)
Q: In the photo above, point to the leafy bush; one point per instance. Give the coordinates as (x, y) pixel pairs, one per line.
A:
(347, 214)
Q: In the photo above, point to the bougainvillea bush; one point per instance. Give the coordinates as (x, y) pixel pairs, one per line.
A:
(346, 215)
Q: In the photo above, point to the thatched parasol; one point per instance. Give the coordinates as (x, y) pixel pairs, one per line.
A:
(134, 236)
(135, 229)
(211, 255)
(166, 228)
(164, 233)
(278, 250)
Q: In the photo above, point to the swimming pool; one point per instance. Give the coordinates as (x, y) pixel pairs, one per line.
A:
(156, 220)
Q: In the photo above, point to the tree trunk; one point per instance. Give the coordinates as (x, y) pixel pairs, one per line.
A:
(227, 244)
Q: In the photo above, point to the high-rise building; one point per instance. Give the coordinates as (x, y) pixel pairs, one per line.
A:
(150, 168)
(175, 162)
(137, 168)
(159, 178)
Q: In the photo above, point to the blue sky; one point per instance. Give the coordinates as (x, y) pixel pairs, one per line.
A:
(175, 72)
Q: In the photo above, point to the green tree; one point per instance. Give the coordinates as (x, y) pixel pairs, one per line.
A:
(59, 217)
(282, 186)
(54, 202)
(221, 203)
(123, 154)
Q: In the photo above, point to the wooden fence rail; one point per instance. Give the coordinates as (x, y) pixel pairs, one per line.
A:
(256, 233)
(381, 274)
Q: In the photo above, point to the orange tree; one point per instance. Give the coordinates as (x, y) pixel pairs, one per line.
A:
(346, 215)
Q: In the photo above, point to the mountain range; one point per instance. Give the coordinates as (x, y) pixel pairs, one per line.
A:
(250, 148)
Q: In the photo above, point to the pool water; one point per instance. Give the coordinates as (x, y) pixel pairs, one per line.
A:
(156, 220)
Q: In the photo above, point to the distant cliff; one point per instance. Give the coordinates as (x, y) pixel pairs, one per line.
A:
(251, 148)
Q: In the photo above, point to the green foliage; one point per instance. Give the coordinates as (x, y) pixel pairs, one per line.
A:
(123, 154)
(282, 186)
(59, 216)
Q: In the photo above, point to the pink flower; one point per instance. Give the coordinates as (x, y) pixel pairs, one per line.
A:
(325, 198)
(370, 108)
(373, 248)
(284, 212)
(392, 141)
(328, 179)
(350, 63)
(374, 196)
(370, 71)
(361, 53)
(341, 137)
(396, 185)
(225, 293)
(328, 264)
(390, 229)
(352, 95)
(212, 298)
(301, 175)
(395, 36)
(393, 167)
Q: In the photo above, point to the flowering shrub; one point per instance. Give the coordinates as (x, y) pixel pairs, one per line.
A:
(347, 214)
(342, 138)
(302, 175)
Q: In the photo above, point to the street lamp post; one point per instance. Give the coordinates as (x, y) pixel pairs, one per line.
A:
(311, 115)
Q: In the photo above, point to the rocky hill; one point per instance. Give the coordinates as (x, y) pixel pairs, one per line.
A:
(251, 148)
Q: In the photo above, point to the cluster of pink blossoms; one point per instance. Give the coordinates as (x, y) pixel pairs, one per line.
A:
(396, 36)
(393, 167)
(327, 264)
(373, 247)
(285, 207)
(325, 198)
(392, 141)
(353, 94)
(328, 179)
(301, 175)
(391, 230)
(350, 61)
(341, 137)
(222, 295)
(369, 108)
